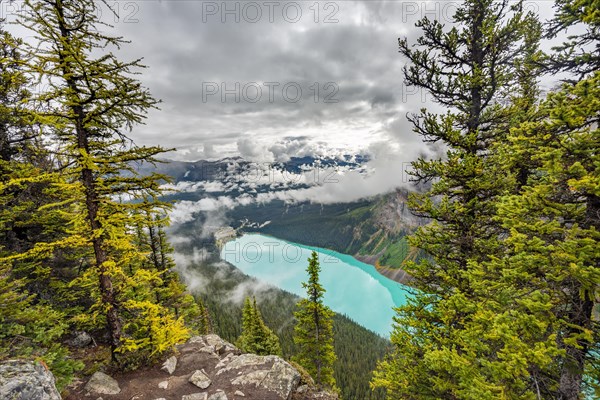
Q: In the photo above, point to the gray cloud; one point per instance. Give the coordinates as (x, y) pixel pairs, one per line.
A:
(344, 59)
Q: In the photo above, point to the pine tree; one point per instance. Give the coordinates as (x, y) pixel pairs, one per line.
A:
(313, 333)
(90, 104)
(256, 337)
(471, 68)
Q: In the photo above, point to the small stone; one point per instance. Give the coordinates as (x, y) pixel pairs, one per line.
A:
(238, 393)
(170, 365)
(219, 395)
(163, 385)
(81, 339)
(195, 396)
(102, 384)
(200, 379)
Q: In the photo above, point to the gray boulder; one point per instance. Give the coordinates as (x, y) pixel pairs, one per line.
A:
(81, 339)
(245, 361)
(26, 380)
(281, 379)
(101, 383)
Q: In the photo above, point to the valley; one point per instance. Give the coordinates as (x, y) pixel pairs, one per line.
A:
(222, 287)
(271, 199)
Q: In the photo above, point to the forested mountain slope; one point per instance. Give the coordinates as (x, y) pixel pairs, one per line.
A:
(372, 230)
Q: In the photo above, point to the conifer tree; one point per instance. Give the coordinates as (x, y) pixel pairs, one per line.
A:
(313, 333)
(256, 337)
(204, 321)
(579, 54)
(31, 326)
(168, 290)
(551, 266)
(91, 103)
(471, 69)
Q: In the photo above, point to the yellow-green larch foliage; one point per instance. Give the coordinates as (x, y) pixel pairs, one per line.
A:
(91, 101)
(151, 238)
(30, 325)
(313, 332)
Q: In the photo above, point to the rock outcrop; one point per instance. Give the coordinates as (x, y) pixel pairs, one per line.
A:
(26, 380)
(209, 368)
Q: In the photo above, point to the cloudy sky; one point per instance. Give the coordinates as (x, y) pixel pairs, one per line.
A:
(272, 79)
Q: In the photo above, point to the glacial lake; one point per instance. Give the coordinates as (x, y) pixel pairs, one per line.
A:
(352, 287)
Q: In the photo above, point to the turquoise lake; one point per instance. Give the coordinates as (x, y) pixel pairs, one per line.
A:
(354, 288)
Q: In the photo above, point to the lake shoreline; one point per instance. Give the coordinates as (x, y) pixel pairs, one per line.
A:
(354, 288)
(396, 274)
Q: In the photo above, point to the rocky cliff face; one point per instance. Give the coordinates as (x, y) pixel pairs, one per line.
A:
(204, 368)
(381, 234)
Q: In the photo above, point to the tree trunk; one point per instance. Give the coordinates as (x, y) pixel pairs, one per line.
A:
(318, 346)
(571, 374)
(107, 292)
(476, 70)
(580, 315)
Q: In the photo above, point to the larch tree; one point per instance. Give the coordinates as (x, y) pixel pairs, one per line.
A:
(313, 332)
(470, 68)
(168, 290)
(91, 101)
(31, 325)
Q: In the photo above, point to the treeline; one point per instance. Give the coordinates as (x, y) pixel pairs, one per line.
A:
(507, 307)
(82, 244)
